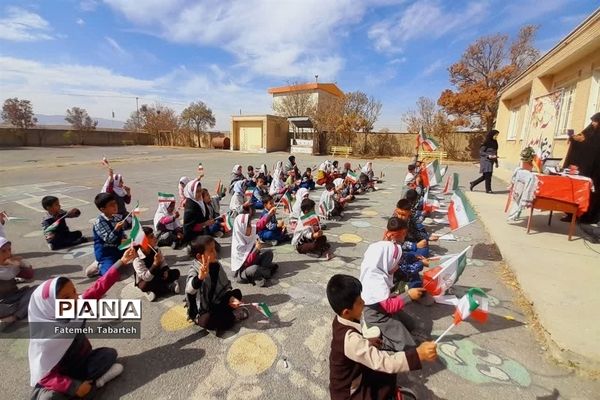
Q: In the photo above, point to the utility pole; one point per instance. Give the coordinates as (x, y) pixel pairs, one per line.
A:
(137, 107)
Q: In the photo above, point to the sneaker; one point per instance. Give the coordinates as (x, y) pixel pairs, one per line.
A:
(150, 296)
(6, 322)
(218, 234)
(50, 246)
(241, 313)
(274, 243)
(175, 287)
(92, 270)
(260, 282)
(115, 370)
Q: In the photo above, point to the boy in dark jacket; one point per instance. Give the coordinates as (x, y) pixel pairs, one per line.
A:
(55, 227)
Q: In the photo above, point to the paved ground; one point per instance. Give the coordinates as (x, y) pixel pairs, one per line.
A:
(287, 357)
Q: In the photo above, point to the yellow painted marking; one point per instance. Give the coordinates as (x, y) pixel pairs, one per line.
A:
(175, 319)
(369, 212)
(252, 354)
(350, 238)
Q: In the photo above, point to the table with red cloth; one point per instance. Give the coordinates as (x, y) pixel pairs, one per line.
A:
(567, 188)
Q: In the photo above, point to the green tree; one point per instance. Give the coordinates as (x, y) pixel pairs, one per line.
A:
(19, 113)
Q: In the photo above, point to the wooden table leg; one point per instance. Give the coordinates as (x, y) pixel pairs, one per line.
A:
(529, 220)
(550, 218)
(572, 225)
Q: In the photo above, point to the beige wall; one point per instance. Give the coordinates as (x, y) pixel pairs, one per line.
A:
(10, 137)
(274, 131)
(277, 134)
(574, 61)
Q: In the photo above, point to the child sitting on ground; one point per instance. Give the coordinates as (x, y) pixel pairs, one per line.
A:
(384, 309)
(292, 182)
(412, 179)
(248, 263)
(307, 181)
(342, 193)
(268, 227)
(212, 303)
(212, 206)
(236, 175)
(57, 233)
(168, 228)
(13, 300)
(114, 184)
(357, 368)
(329, 207)
(68, 367)
(417, 240)
(308, 235)
(152, 274)
(260, 191)
(108, 235)
(238, 203)
(251, 180)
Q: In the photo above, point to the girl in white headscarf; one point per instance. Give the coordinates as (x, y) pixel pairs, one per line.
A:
(301, 194)
(328, 205)
(183, 181)
(382, 308)
(278, 184)
(166, 223)
(248, 262)
(236, 175)
(114, 184)
(238, 203)
(195, 215)
(68, 367)
(264, 172)
(342, 194)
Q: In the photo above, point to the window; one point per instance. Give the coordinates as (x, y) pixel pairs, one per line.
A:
(594, 100)
(524, 120)
(565, 113)
(512, 123)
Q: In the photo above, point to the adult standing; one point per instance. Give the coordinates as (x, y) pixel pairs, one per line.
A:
(584, 153)
(488, 156)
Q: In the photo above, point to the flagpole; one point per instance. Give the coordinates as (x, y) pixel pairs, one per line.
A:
(283, 194)
(445, 332)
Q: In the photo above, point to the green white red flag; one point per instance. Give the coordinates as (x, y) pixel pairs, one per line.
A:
(227, 223)
(441, 278)
(474, 305)
(166, 197)
(310, 219)
(460, 211)
(286, 200)
(352, 176)
(137, 237)
(451, 183)
(426, 142)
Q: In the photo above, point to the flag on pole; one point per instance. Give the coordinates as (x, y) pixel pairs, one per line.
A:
(352, 176)
(426, 142)
(227, 223)
(443, 171)
(105, 162)
(310, 219)
(221, 189)
(441, 278)
(430, 175)
(451, 183)
(137, 237)
(460, 211)
(136, 210)
(54, 225)
(430, 206)
(474, 304)
(248, 193)
(165, 197)
(286, 200)
(263, 308)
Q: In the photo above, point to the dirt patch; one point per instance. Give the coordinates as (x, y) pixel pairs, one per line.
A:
(489, 252)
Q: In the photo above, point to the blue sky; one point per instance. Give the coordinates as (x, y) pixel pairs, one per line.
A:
(100, 55)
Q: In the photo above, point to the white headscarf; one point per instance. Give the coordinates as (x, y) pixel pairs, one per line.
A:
(301, 194)
(190, 193)
(338, 183)
(46, 353)
(263, 170)
(116, 185)
(241, 244)
(376, 271)
(277, 183)
(326, 203)
(367, 168)
(162, 212)
(235, 169)
(184, 180)
(326, 166)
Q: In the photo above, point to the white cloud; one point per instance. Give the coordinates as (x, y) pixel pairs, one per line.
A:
(434, 67)
(20, 25)
(52, 88)
(270, 38)
(88, 5)
(80, 22)
(115, 46)
(424, 19)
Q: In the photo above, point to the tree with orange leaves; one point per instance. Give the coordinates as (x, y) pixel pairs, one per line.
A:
(485, 68)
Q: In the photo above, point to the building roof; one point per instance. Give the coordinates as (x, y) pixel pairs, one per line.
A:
(567, 39)
(326, 87)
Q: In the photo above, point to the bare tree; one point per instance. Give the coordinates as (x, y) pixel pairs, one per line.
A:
(80, 121)
(199, 116)
(161, 122)
(19, 113)
(294, 104)
(360, 113)
(135, 122)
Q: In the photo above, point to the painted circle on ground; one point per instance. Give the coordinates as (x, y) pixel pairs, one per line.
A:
(350, 238)
(33, 234)
(369, 212)
(79, 252)
(175, 319)
(361, 224)
(252, 354)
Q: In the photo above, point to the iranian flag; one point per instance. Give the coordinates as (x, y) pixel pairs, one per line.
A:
(286, 200)
(227, 223)
(166, 197)
(352, 176)
(460, 211)
(441, 278)
(451, 183)
(443, 171)
(431, 175)
(137, 237)
(426, 142)
(310, 219)
(51, 228)
(263, 308)
(248, 193)
(474, 304)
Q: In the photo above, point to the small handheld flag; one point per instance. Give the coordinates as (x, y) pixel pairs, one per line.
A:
(426, 142)
(248, 193)
(352, 176)
(286, 200)
(137, 237)
(263, 308)
(310, 219)
(227, 223)
(460, 211)
(54, 225)
(473, 304)
(166, 197)
(441, 278)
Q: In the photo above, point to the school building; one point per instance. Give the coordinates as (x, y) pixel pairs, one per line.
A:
(555, 96)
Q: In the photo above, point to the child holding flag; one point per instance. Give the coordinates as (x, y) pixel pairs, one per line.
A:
(13, 300)
(114, 184)
(268, 227)
(152, 274)
(239, 204)
(307, 181)
(357, 368)
(417, 240)
(384, 309)
(260, 191)
(248, 263)
(57, 233)
(166, 222)
(213, 207)
(329, 207)
(196, 218)
(301, 194)
(308, 235)
(108, 234)
(212, 303)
